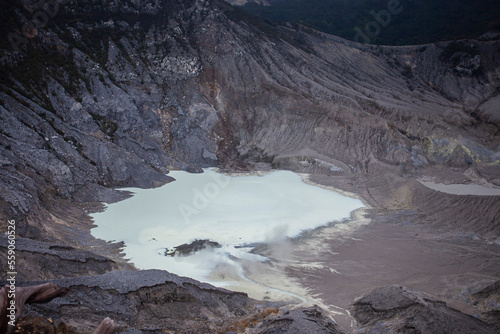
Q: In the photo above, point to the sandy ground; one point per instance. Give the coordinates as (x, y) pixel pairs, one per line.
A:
(381, 254)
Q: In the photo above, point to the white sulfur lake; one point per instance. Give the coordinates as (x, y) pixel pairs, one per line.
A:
(234, 211)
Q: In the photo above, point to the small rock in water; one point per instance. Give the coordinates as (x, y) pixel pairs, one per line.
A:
(194, 169)
(195, 246)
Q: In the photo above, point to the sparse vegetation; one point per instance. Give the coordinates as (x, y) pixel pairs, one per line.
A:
(241, 325)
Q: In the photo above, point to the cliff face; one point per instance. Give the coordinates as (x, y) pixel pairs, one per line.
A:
(121, 94)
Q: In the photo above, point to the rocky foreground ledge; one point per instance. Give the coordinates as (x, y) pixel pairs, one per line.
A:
(155, 301)
(396, 309)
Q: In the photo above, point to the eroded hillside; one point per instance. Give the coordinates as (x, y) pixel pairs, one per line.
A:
(122, 94)
(112, 94)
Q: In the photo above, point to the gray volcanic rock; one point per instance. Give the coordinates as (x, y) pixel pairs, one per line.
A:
(155, 301)
(40, 260)
(152, 301)
(397, 309)
(310, 320)
(487, 301)
(149, 300)
(174, 84)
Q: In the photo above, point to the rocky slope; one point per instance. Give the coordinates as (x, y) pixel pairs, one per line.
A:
(122, 94)
(487, 300)
(243, 2)
(137, 89)
(401, 310)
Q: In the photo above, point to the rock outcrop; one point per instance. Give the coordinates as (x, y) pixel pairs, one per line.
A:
(397, 309)
(487, 301)
(43, 261)
(155, 301)
(144, 300)
(299, 321)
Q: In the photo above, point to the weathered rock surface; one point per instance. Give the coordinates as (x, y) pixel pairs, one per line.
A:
(139, 89)
(299, 321)
(193, 247)
(150, 301)
(39, 260)
(13, 300)
(242, 2)
(487, 301)
(154, 301)
(397, 309)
